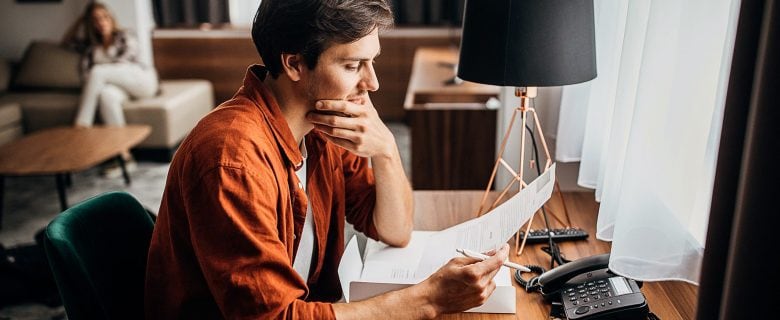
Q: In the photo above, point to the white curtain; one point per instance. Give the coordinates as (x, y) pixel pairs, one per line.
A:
(646, 130)
(242, 12)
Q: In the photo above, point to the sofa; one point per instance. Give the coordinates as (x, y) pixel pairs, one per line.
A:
(43, 91)
(10, 112)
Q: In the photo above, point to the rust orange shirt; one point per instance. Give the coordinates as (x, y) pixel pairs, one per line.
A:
(233, 209)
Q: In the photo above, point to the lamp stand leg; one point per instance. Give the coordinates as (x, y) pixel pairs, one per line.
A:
(525, 95)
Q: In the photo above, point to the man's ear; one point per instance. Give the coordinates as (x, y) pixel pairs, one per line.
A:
(293, 65)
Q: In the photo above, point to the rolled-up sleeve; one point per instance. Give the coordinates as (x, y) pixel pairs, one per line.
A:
(235, 237)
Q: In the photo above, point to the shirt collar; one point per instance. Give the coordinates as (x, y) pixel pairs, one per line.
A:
(304, 152)
(259, 93)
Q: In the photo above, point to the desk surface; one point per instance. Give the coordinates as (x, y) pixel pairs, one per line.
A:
(436, 210)
(432, 68)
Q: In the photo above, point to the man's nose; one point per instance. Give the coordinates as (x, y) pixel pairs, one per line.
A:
(370, 81)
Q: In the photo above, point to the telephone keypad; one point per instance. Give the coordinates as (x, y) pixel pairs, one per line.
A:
(600, 296)
(590, 294)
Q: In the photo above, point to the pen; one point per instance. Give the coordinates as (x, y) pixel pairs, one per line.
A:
(482, 257)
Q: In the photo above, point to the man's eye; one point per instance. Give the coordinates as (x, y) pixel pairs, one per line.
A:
(352, 67)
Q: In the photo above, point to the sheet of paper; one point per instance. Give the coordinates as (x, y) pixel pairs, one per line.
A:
(428, 251)
(489, 231)
(395, 265)
(350, 267)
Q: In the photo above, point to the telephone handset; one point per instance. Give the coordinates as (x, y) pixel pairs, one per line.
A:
(587, 290)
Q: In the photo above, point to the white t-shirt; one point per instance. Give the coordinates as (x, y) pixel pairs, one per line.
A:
(302, 261)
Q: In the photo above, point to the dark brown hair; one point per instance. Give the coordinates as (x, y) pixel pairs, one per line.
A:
(91, 34)
(309, 27)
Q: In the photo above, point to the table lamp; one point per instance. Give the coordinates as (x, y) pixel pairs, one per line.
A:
(526, 44)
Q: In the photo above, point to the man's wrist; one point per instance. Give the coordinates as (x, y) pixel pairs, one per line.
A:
(419, 296)
(390, 153)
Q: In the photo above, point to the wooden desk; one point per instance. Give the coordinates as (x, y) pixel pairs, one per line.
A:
(436, 210)
(453, 133)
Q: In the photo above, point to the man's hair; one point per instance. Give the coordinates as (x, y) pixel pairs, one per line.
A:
(309, 27)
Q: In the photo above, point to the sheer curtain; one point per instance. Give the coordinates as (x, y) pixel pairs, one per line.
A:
(646, 129)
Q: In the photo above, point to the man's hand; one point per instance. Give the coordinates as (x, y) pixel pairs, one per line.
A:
(354, 127)
(464, 283)
(461, 284)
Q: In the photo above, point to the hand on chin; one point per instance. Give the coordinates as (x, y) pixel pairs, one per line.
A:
(353, 126)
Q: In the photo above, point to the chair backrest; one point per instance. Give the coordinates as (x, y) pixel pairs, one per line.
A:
(97, 251)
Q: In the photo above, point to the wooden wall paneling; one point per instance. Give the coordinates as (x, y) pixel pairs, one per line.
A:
(223, 61)
(222, 57)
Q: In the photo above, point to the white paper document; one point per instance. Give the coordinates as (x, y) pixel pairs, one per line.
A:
(385, 268)
(490, 230)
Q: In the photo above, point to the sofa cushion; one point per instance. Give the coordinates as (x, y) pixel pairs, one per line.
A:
(10, 122)
(173, 113)
(44, 109)
(50, 66)
(10, 114)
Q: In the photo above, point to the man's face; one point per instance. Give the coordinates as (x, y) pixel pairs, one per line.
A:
(344, 72)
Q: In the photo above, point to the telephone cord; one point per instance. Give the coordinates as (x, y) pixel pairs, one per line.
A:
(554, 250)
(532, 284)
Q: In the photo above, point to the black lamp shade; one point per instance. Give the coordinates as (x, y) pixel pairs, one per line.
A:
(528, 43)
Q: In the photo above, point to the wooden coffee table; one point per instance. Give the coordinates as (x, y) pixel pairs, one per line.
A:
(64, 150)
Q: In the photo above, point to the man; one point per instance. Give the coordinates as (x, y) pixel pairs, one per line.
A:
(251, 223)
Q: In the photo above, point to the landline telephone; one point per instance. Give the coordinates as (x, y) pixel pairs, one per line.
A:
(585, 289)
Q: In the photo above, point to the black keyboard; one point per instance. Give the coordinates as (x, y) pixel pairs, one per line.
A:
(558, 235)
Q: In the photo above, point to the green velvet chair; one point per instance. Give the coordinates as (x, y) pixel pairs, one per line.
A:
(97, 252)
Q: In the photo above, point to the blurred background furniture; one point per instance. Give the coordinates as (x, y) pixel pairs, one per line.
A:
(63, 150)
(46, 87)
(10, 122)
(453, 132)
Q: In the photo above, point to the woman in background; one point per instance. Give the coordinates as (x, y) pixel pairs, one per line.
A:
(110, 67)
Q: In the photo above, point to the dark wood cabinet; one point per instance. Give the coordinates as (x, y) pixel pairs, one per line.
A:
(453, 133)
(452, 149)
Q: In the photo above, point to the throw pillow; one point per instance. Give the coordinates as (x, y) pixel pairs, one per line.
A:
(48, 65)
